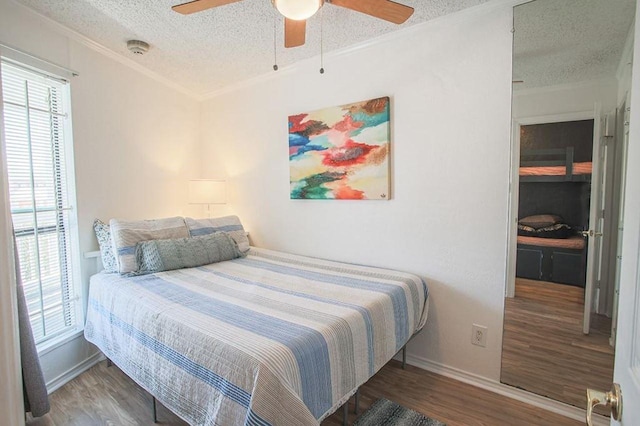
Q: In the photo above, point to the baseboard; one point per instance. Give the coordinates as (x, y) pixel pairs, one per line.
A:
(74, 372)
(518, 394)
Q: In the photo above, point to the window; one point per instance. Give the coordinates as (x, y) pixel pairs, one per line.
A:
(38, 142)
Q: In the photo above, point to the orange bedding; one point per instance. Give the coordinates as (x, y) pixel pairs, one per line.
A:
(575, 243)
(578, 169)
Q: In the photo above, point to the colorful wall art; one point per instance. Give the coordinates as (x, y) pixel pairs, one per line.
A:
(341, 152)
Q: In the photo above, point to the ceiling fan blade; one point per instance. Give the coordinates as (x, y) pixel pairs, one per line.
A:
(383, 9)
(200, 5)
(294, 32)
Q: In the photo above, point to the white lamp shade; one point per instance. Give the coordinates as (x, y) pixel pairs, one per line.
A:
(207, 191)
(298, 9)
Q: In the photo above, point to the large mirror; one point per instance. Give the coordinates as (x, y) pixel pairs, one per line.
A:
(571, 72)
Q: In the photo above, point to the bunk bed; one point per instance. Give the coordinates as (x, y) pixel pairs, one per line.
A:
(542, 255)
(553, 165)
(558, 260)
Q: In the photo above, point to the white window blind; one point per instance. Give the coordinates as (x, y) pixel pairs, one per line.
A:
(36, 121)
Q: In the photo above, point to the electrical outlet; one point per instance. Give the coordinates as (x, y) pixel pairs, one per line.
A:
(479, 335)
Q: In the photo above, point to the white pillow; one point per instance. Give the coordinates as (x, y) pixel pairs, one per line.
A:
(126, 234)
(229, 224)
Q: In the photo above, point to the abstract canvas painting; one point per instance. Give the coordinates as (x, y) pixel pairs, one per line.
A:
(341, 152)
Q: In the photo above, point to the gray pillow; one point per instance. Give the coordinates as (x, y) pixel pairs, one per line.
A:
(103, 235)
(228, 224)
(125, 234)
(166, 255)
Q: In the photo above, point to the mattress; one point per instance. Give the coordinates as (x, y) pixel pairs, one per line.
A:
(574, 243)
(583, 168)
(270, 339)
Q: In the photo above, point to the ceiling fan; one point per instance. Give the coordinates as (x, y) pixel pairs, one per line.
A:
(296, 12)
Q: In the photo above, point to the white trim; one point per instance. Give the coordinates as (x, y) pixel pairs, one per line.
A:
(91, 254)
(93, 45)
(35, 63)
(48, 346)
(505, 390)
(514, 194)
(448, 19)
(556, 118)
(73, 372)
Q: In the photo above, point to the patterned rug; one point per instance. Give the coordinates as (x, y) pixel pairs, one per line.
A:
(387, 413)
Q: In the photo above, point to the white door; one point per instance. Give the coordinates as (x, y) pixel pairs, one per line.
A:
(594, 234)
(627, 363)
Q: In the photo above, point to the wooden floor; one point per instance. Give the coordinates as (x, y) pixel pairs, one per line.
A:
(106, 396)
(544, 349)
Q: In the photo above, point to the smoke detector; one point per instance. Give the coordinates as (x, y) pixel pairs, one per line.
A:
(138, 47)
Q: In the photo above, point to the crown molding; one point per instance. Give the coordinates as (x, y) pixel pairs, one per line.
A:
(111, 54)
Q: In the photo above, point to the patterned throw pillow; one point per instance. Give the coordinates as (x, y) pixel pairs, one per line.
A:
(126, 234)
(166, 255)
(229, 224)
(103, 235)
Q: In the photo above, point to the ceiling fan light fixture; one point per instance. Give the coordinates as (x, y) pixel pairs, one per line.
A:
(298, 10)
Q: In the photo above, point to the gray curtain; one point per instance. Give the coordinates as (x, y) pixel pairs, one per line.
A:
(36, 399)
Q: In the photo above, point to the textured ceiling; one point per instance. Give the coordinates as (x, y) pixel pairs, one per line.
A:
(565, 41)
(556, 41)
(215, 48)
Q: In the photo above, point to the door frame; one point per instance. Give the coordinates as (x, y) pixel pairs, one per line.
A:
(514, 181)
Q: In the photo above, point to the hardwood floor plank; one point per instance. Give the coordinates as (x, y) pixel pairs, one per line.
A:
(544, 349)
(106, 396)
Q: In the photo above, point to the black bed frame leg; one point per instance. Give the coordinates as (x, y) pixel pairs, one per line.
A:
(345, 414)
(404, 357)
(357, 407)
(155, 410)
(109, 363)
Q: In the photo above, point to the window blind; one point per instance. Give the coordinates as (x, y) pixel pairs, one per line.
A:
(36, 134)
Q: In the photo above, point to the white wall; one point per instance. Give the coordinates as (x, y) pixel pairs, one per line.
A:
(450, 87)
(136, 143)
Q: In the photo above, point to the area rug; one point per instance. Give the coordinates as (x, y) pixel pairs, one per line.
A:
(387, 413)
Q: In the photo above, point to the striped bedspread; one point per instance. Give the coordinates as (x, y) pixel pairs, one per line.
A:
(270, 339)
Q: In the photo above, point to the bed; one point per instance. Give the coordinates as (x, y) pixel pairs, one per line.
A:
(553, 165)
(269, 339)
(558, 260)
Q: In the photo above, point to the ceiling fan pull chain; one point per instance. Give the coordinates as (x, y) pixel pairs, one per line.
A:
(321, 41)
(275, 44)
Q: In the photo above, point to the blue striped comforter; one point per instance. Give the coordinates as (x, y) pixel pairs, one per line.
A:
(270, 339)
